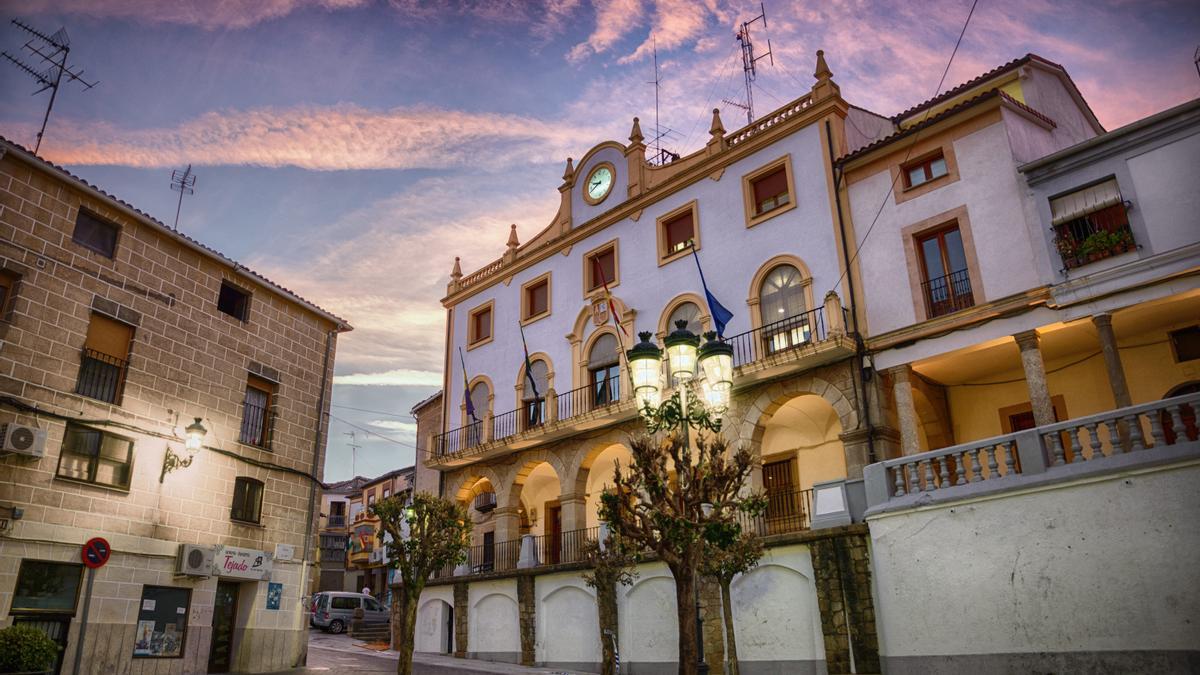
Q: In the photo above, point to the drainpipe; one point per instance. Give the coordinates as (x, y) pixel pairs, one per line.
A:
(860, 348)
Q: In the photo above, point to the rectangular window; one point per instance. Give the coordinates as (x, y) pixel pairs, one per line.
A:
(371, 500)
(43, 586)
(770, 191)
(104, 363)
(256, 412)
(8, 289)
(162, 622)
(1185, 342)
(946, 283)
(924, 170)
(247, 500)
(479, 325)
(536, 298)
(489, 552)
(601, 268)
(95, 233)
(387, 492)
(234, 301)
(94, 456)
(679, 232)
(1091, 224)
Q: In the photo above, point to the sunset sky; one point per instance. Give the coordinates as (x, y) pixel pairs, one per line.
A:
(349, 149)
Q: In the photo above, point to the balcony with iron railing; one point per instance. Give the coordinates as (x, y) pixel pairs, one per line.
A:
(1094, 236)
(101, 376)
(948, 294)
(792, 344)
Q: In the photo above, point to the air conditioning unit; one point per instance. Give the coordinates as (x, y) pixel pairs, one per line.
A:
(378, 555)
(23, 440)
(194, 561)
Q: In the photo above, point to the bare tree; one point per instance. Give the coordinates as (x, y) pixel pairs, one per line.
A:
(426, 534)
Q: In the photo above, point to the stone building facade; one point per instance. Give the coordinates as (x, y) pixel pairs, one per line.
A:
(120, 338)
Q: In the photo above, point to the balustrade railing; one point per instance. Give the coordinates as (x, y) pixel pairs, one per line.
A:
(778, 336)
(1085, 439)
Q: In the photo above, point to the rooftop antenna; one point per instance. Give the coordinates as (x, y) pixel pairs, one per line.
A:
(185, 183)
(353, 453)
(661, 155)
(53, 50)
(748, 61)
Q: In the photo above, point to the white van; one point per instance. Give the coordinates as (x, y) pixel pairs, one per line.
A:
(333, 611)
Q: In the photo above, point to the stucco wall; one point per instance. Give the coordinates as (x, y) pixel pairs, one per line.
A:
(1095, 575)
(430, 634)
(568, 626)
(494, 626)
(1167, 184)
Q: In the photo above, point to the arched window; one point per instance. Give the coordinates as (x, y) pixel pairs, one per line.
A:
(533, 394)
(479, 405)
(604, 370)
(781, 308)
(687, 311)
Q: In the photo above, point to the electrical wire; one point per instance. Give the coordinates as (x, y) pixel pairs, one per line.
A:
(371, 433)
(908, 153)
(377, 412)
(1058, 369)
(708, 99)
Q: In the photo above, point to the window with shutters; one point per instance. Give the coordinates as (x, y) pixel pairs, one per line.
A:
(479, 325)
(769, 191)
(105, 359)
(1091, 223)
(256, 412)
(678, 233)
(600, 268)
(93, 456)
(535, 299)
(247, 500)
(95, 233)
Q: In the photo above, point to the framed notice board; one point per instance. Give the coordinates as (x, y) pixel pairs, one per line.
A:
(162, 622)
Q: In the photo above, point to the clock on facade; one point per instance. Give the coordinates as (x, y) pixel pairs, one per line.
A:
(599, 183)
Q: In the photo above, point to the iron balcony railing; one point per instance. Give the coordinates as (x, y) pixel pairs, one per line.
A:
(485, 501)
(336, 520)
(101, 376)
(947, 294)
(787, 511)
(551, 549)
(778, 336)
(1094, 236)
(594, 395)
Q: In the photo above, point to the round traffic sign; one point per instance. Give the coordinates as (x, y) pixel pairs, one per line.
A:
(96, 552)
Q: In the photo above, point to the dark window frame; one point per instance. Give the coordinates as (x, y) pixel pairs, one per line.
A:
(242, 495)
(241, 309)
(592, 259)
(473, 324)
(10, 281)
(956, 284)
(14, 610)
(181, 623)
(264, 426)
(1187, 354)
(94, 459)
(926, 163)
(101, 222)
(758, 209)
(530, 309)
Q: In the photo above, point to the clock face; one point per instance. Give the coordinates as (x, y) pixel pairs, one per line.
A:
(599, 183)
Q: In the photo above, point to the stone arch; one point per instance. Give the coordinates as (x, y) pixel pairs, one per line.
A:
(586, 485)
(514, 490)
(768, 566)
(705, 319)
(752, 297)
(768, 402)
(466, 480)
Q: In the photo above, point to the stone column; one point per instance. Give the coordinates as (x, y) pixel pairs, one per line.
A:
(906, 411)
(461, 624)
(1035, 376)
(1112, 360)
(508, 523)
(527, 610)
(574, 511)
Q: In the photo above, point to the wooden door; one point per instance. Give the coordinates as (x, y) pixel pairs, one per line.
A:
(553, 533)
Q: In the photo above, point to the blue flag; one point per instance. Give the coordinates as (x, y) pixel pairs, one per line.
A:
(466, 387)
(720, 315)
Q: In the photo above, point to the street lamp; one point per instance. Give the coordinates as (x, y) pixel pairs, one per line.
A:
(195, 433)
(193, 437)
(685, 360)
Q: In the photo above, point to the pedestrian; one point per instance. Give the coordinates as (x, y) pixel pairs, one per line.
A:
(366, 590)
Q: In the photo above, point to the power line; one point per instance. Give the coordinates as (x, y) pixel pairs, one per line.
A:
(377, 412)
(371, 433)
(913, 144)
(725, 72)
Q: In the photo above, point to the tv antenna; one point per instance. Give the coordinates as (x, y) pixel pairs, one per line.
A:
(748, 61)
(185, 183)
(661, 155)
(353, 453)
(53, 50)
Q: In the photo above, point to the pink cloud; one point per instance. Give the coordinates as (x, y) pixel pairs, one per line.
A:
(223, 14)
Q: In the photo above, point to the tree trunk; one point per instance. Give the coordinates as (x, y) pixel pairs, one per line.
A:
(606, 607)
(731, 659)
(405, 631)
(685, 602)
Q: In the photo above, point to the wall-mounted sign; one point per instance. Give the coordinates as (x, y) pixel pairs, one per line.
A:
(274, 595)
(242, 563)
(285, 552)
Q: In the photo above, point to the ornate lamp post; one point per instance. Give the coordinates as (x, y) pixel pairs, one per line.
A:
(686, 359)
(193, 440)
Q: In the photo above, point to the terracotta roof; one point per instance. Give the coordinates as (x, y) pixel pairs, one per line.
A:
(973, 82)
(26, 154)
(934, 119)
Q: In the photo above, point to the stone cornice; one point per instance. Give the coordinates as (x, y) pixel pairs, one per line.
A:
(980, 314)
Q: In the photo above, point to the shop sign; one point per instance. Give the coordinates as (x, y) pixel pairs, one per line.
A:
(242, 563)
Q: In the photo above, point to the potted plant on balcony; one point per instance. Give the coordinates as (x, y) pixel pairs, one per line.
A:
(1098, 245)
(27, 650)
(1068, 249)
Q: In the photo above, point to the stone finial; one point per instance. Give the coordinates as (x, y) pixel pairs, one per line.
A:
(822, 73)
(456, 272)
(635, 134)
(513, 242)
(569, 174)
(717, 129)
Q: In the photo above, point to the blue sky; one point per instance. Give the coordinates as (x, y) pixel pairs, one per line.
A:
(349, 149)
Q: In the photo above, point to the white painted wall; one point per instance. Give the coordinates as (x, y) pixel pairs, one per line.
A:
(494, 621)
(1166, 180)
(430, 634)
(1108, 565)
(775, 613)
(730, 254)
(648, 620)
(568, 626)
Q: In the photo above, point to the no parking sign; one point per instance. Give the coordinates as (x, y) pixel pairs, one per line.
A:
(96, 552)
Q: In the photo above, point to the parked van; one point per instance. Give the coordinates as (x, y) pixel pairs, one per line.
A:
(333, 611)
